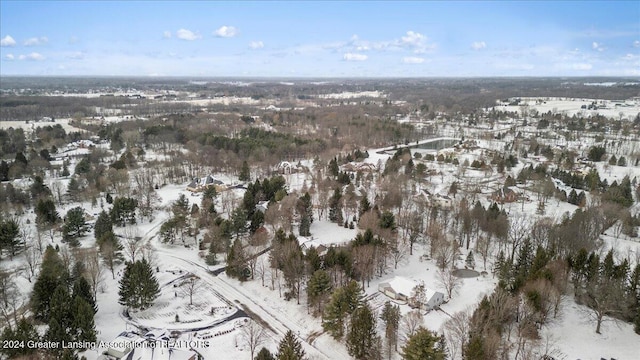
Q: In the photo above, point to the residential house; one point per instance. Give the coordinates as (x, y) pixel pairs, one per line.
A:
(200, 184)
(401, 288)
(155, 344)
(504, 195)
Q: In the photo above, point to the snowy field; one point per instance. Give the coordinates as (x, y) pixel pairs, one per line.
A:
(30, 126)
(573, 106)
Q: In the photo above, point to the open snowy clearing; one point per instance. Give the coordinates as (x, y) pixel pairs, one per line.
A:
(570, 107)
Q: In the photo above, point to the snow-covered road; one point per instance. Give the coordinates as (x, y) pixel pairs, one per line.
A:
(322, 347)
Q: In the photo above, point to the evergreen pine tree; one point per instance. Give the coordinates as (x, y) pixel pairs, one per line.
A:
(46, 212)
(236, 261)
(365, 206)
(60, 316)
(74, 226)
(82, 289)
(334, 315)
(333, 167)
(9, 231)
(245, 174)
(52, 274)
(67, 354)
(305, 210)
(138, 286)
(343, 302)
(335, 206)
(424, 345)
(362, 333)
(65, 170)
(24, 332)
(290, 348)
(102, 226)
(73, 190)
(257, 220)
(318, 288)
(83, 325)
(305, 226)
(264, 354)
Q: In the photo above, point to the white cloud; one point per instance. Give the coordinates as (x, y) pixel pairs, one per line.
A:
(477, 45)
(636, 43)
(597, 46)
(256, 45)
(35, 41)
(188, 35)
(354, 57)
(416, 41)
(7, 41)
(34, 56)
(9, 57)
(413, 38)
(411, 41)
(581, 66)
(413, 60)
(166, 34)
(226, 31)
(78, 55)
(74, 39)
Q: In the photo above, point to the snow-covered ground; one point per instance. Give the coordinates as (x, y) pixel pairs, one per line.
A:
(31, 125)
(572, 333)
(573, 336)
(573, 106)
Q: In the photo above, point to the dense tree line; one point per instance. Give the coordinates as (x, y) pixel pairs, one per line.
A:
(64, 301)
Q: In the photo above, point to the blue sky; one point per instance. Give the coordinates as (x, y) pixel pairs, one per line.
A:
(320, 39)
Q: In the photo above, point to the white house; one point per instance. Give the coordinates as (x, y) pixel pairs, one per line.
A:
(200, 184)
(401, 288)
(434, 299)
(398, 288)
(131, 346)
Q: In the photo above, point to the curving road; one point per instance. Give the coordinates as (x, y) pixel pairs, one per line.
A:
(316, 344)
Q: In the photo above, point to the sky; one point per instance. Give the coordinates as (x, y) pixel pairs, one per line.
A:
(320, 39)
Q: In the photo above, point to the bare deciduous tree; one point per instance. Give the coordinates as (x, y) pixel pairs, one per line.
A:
(449, 282)
(363, 262)
(456, 331)
(94, 272)
(10, 298)
(410, 323)
(398, 250)
(444, 251)
(110, 256)
(261, 269)
(253, 335)
(190, 286)
(519, 229)
(32, 261)
(146, 193)
(149, 254)
(483, 247)
(132, 244)
(58, 191)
